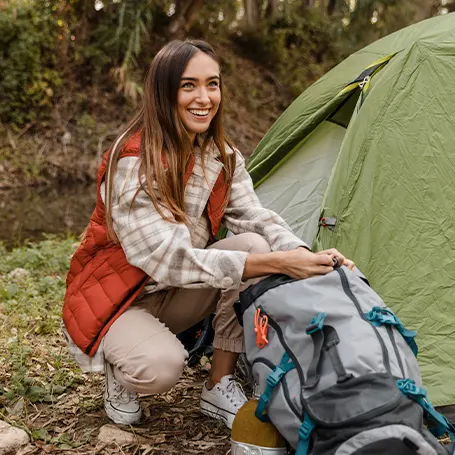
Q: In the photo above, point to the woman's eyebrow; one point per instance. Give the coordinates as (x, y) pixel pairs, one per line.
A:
(195, 79)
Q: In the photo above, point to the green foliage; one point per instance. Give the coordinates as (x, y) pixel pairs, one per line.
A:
(28, 62)
(48, 257)
(119, 37)
(32, 286)
(299, 48)
(48, 44)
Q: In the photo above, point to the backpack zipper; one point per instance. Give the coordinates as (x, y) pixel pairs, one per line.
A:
(395, 348)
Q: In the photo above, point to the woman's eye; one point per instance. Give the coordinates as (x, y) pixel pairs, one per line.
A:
(214, 84)
(187, 85)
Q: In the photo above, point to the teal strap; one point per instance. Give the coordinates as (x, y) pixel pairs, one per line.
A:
(273, 379)
(305, 431)
(379, 316)
(419, 395)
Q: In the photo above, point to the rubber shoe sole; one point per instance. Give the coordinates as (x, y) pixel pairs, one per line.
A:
(215, 412)
(122, 417)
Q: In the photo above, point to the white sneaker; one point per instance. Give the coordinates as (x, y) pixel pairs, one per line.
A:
(121, 405)
(223, 401)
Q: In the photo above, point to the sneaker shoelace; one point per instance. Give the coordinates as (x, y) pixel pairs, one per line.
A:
(123, 395)
(235, 394)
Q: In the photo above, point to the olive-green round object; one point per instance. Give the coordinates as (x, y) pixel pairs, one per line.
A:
(247, 428)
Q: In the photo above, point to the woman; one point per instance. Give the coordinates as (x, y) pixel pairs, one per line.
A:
(149, 266)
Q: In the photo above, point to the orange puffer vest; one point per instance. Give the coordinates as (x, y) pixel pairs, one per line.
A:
(101, 284)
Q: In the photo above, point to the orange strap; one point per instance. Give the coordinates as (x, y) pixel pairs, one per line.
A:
(260, 327)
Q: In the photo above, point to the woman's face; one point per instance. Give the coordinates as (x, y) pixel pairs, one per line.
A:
(199, 94)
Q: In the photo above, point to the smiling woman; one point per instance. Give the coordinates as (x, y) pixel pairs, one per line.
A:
(149, 265)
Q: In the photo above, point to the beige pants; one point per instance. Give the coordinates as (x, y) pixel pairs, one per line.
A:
(146, 355)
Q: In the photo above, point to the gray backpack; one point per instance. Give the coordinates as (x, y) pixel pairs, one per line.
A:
(336, 368)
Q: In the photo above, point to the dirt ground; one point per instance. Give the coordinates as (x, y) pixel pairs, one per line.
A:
(171, 422)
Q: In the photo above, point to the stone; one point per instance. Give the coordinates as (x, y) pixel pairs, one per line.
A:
(18, 274)
(11, 439)
(111, 434)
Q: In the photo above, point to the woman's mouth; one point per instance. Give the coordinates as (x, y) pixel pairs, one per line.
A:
(201, 114)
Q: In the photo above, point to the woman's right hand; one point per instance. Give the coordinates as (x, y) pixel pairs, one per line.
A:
(299, 263)
(302, 263)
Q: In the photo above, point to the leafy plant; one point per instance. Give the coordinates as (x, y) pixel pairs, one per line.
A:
(32, 287)
(28, 62)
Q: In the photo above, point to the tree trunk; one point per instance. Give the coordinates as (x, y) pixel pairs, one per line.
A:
(186, 12)
(271, 9)
(252, 12)
(308, 3)
(331, 7)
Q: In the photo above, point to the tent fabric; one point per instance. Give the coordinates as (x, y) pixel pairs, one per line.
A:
(290, 192)
(388, 180)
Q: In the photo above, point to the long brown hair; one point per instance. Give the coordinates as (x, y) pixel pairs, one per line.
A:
(163, 135)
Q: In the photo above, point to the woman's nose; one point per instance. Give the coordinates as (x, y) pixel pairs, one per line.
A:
(203, 96)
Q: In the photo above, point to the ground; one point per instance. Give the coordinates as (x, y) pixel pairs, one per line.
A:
(44, 392)
(171, 422)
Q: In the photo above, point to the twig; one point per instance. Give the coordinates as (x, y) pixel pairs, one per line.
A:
(11, 139)
(267, 100)
(101, 140)
(274, 79)
(24, 130)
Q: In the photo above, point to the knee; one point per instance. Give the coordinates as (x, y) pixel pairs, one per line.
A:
(157, 372)
(255, 243)
(164, 374)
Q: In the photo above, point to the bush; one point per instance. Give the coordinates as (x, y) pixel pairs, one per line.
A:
(298, 48)
(28, 62)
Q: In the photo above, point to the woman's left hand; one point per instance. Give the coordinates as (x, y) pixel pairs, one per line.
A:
(341, 260)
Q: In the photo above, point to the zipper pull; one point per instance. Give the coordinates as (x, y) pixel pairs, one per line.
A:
(365, 81)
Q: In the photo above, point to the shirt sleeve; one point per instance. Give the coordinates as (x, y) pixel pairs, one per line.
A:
(245, 213)
(163, 249)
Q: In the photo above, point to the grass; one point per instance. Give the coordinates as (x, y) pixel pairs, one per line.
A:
(35, 365)
(43, 391)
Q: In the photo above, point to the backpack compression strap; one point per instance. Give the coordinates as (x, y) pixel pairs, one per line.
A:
(419, 395)
(305, 431)
(273, 379)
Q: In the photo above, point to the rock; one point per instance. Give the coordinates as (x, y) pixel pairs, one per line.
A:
(111, 434)
(18, 274)
(66, 138)
(11, 439)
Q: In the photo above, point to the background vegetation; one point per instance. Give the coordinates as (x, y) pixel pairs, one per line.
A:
(71, 70)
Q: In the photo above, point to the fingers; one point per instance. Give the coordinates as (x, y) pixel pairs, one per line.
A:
(323, 270)
(349, 264)
(324, 259)
(336, 254)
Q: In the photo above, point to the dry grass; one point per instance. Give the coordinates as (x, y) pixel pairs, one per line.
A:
(43, 391)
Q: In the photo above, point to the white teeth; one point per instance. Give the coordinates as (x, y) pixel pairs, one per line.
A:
(200, 112)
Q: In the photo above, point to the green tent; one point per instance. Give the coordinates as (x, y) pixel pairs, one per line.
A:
(364, 161)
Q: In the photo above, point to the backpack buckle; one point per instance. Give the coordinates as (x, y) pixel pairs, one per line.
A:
(306, 428)
(275, 376)
(316, 323)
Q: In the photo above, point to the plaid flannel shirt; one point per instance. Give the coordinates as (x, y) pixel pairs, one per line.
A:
(175, 255)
